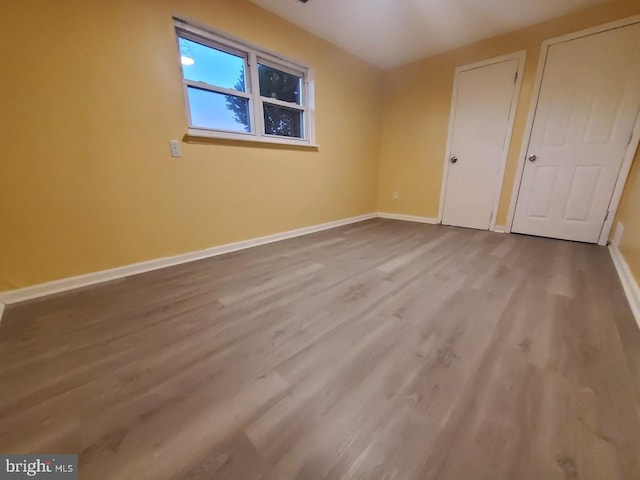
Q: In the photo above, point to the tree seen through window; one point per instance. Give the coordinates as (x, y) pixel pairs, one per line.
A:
(279, 85)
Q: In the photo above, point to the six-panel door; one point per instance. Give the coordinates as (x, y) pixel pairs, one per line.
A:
(586, 111)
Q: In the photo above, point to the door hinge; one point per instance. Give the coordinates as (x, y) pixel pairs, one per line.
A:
(515, 78)
(630, 138)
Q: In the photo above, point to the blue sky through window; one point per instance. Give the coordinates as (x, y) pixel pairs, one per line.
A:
(214, 67)
(210, 110)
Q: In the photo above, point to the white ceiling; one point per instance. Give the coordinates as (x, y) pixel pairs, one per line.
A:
(388, 33)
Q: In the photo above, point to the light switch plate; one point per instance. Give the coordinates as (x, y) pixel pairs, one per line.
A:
(175, 148)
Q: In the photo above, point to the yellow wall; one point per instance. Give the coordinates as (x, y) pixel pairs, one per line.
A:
(417, 100)
(91, 95)
(629, 215)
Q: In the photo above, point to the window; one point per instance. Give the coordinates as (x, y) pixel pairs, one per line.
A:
(237, 91)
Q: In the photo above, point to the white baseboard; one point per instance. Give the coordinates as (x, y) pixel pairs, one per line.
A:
(631, 288)
(617, 235)
(71, 283)
(408, 218)
(57, 286)
(432, 221)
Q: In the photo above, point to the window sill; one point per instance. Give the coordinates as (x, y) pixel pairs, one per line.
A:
(196, 135)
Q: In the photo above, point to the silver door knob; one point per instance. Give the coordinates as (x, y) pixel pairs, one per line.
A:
(532, 158)
(453, 159)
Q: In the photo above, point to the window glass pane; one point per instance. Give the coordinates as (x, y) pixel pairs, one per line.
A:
(218, 111)
(282, 121)
(275, 83)
(209, 65)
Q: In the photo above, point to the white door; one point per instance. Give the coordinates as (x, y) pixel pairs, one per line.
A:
(481, 121)
(588, 103)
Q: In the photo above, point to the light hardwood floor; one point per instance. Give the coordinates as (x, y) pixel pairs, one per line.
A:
(375, 351)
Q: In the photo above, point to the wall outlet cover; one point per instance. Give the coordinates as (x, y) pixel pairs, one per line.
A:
(175, 148)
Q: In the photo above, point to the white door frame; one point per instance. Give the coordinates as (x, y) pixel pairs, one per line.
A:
(526, 139)
(520, 56)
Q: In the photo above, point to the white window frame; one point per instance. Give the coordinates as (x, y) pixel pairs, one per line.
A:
(253, 56)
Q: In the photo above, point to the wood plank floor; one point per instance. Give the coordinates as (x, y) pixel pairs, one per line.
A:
(380, 350)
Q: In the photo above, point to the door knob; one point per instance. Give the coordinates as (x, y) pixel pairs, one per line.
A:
(453, 159)
(532, 158)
